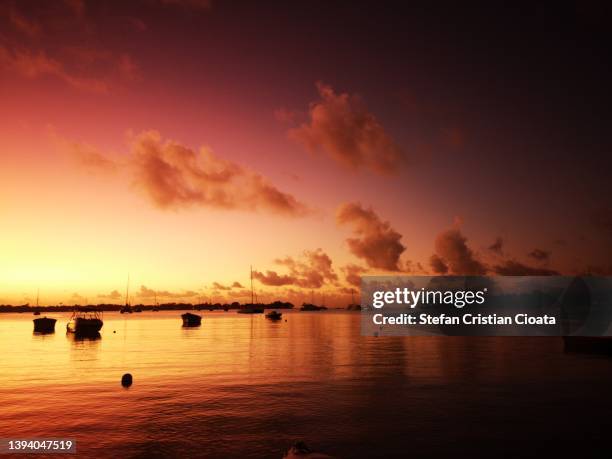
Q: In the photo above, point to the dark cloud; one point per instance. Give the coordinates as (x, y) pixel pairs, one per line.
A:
(173, 175)
(438, 265)
(353, 274)
(376, 242)
(312, 270)
(341, 126)
(38, 41)
(497, 247)
(451, 251)
(515, 268)
(539, 255)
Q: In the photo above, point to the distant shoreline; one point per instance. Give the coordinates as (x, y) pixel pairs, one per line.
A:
(7, 308)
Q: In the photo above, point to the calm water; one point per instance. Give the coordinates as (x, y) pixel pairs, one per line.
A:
(241, 386)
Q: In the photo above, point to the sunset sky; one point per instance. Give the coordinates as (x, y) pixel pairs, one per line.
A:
(182, 141)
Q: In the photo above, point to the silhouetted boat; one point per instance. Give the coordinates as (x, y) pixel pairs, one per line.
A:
(85, 322)
(36, 311)
(274, 315)
(191, 320)
(155, 309)
(127, 308)
(588, 344)
(251, 308)
(44, 325)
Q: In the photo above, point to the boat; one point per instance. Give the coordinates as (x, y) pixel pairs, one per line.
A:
(44, 325)
(274, 315)
(251, 308)
(85, 322)
(36, 311)
(127, 308)
(191, 320)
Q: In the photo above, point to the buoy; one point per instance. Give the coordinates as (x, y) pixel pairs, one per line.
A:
(114, 331)
(126, 380)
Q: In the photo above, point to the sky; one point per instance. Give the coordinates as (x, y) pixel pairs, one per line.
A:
(181, 142)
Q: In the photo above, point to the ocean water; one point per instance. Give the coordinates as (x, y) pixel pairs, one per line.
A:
(242, 386)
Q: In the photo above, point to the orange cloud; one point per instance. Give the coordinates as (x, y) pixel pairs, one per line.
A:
(342, 127)
(312, 270)
(146, 292)
(172, 175)
(33, 64)
(353, 274)
(376, 243)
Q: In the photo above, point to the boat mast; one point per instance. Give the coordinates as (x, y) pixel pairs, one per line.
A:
(127, 291)
(252, 285)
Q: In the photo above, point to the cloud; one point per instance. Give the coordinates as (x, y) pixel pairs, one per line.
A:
(376, 242)
(539, 255)
(173, 176)
(342, 127)
(218, 286)
(114, 295)
(497, 247)
(438, 265)
(353, 274)
(312, 270)
(515, 268)
(33, 64)
(39, 41)
(86, 156)
(451, 251)
(146, 292)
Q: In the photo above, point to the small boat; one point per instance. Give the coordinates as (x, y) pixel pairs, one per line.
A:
(127, 309)
(36, 313)
(85, 322)
(44, 325)
(601, 345)
(155, 309)
(274, 315)
(191, 320)
(251, 308)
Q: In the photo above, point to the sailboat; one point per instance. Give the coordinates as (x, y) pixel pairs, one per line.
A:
(43, 325)
(251, 308)
(127, 308)
(36, 311)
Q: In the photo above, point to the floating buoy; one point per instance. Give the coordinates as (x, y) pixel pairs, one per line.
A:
(114, 331)
(126, 380)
